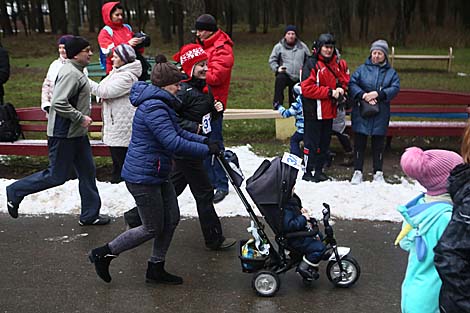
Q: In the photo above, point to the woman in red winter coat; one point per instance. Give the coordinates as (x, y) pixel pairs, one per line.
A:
(115, 32)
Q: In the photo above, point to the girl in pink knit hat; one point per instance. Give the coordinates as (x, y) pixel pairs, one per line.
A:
(425, 219)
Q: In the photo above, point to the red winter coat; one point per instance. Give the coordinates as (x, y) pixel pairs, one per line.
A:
(317, 101)
(121, 34)
(220, 62)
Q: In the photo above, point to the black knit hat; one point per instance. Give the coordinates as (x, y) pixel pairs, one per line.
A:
(206, 22)
(74, 45)
(164, 73)
(290, 28)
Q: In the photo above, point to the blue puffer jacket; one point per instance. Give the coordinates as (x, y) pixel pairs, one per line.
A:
(373, 77)
(156, 137)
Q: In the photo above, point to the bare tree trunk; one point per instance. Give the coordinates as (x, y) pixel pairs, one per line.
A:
(399, 29)
(193, 9)
(37, 12)
(265, 13)
(73, 16)
(57, 16)
(441, 12)
(22, 14)
(423, 13)
(252, 15)
(4, 19)
(95, 20)
(164, 16)
(211, 7)
(228, 17)
(363, 8)
(180, 22)
(334, 23)
(465, 13)
(300, 15)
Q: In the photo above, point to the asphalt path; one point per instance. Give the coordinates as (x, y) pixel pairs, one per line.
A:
(44, 268)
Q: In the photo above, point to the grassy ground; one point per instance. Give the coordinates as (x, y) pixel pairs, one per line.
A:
(252, 81)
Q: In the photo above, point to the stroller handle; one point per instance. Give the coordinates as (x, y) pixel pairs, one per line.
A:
(326, 212)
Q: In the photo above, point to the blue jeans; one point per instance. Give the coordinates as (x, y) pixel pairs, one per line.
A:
(295, 140)
(216, 174)
(65, 154)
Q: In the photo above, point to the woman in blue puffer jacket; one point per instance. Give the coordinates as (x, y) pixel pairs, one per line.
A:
(156, 138)
(376, 82)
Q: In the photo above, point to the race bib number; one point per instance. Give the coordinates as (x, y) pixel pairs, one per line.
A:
(206, 124)
(292, 160)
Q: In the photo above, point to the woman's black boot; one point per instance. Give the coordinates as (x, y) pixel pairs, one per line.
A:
(101, 257)
(156, 274)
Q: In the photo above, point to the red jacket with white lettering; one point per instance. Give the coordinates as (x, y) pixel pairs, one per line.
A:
(220, 62)
(323, 77)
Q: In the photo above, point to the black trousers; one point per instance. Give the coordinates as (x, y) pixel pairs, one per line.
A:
(360, 144)
(282, 81)
(317, 138)
(191, 172)
(118, 155)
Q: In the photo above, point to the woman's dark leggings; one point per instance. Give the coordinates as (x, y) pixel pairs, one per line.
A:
(378, 146)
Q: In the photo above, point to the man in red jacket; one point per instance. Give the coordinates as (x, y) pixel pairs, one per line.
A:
(218, 47)
(323, 87)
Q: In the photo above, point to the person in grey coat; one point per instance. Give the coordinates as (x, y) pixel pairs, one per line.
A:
(376, 82)
(286, 61)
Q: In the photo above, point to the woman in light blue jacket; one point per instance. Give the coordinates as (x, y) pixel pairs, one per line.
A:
(376, 82)
(425, 219)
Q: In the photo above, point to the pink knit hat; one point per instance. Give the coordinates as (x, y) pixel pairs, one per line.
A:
(430, 168)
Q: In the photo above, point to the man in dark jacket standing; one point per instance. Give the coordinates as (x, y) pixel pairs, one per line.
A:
(4, 70)
(323, 85)
(218, 47)
(68, 144)
(286, 60)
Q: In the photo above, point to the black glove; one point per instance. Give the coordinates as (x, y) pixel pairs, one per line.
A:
(276, 105)
(214, 147)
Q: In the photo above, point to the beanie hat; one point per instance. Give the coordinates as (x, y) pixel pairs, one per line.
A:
(74, 45)
(381, 45)
(164, 73)
(188, 56)
(125, 52)
(206, 22)
(430, 168)
(290, 28)
(63, 39)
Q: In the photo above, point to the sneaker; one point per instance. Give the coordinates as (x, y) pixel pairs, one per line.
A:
(379, 177)
(102, 220)
(13, 208)
(224, 245)
(220, 195)
(357, 178)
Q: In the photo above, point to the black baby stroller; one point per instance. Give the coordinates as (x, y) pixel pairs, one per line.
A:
(269, 187)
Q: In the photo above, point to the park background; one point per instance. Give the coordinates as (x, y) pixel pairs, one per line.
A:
(30, 29)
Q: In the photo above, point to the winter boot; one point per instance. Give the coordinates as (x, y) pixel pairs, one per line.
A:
(308, 270)
(101, 257)
(156, 274)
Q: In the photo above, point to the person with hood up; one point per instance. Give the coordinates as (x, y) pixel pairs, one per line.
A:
(286, 61)
(118, 112)
(115, 32)
(218, 47)
(425, 219)
(376, 82)
(323, 86)
(452, 252)
(156, 139)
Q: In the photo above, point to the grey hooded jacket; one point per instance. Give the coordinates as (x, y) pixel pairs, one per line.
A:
(292, 57)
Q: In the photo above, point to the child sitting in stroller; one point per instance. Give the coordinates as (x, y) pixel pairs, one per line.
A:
(297, 219)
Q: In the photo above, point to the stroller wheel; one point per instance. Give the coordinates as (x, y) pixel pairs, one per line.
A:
(351, 272)
(266, 283)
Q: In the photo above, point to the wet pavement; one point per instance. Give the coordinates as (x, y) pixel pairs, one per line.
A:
(44, 268)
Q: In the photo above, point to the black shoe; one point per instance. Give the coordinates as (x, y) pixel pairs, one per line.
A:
(156, 274)
(101, 220)
(319, 177)
(13, 208)
(101, 257)
(225, 244)
(308, 177)
(220, 195)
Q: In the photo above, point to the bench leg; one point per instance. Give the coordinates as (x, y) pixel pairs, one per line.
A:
(285, 127)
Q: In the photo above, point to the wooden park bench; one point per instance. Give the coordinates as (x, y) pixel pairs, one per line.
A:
(449, 57)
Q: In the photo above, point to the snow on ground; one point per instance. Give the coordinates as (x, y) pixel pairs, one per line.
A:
(371, 201)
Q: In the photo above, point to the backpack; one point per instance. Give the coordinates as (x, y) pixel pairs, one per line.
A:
(102, 55)
(10, 129)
